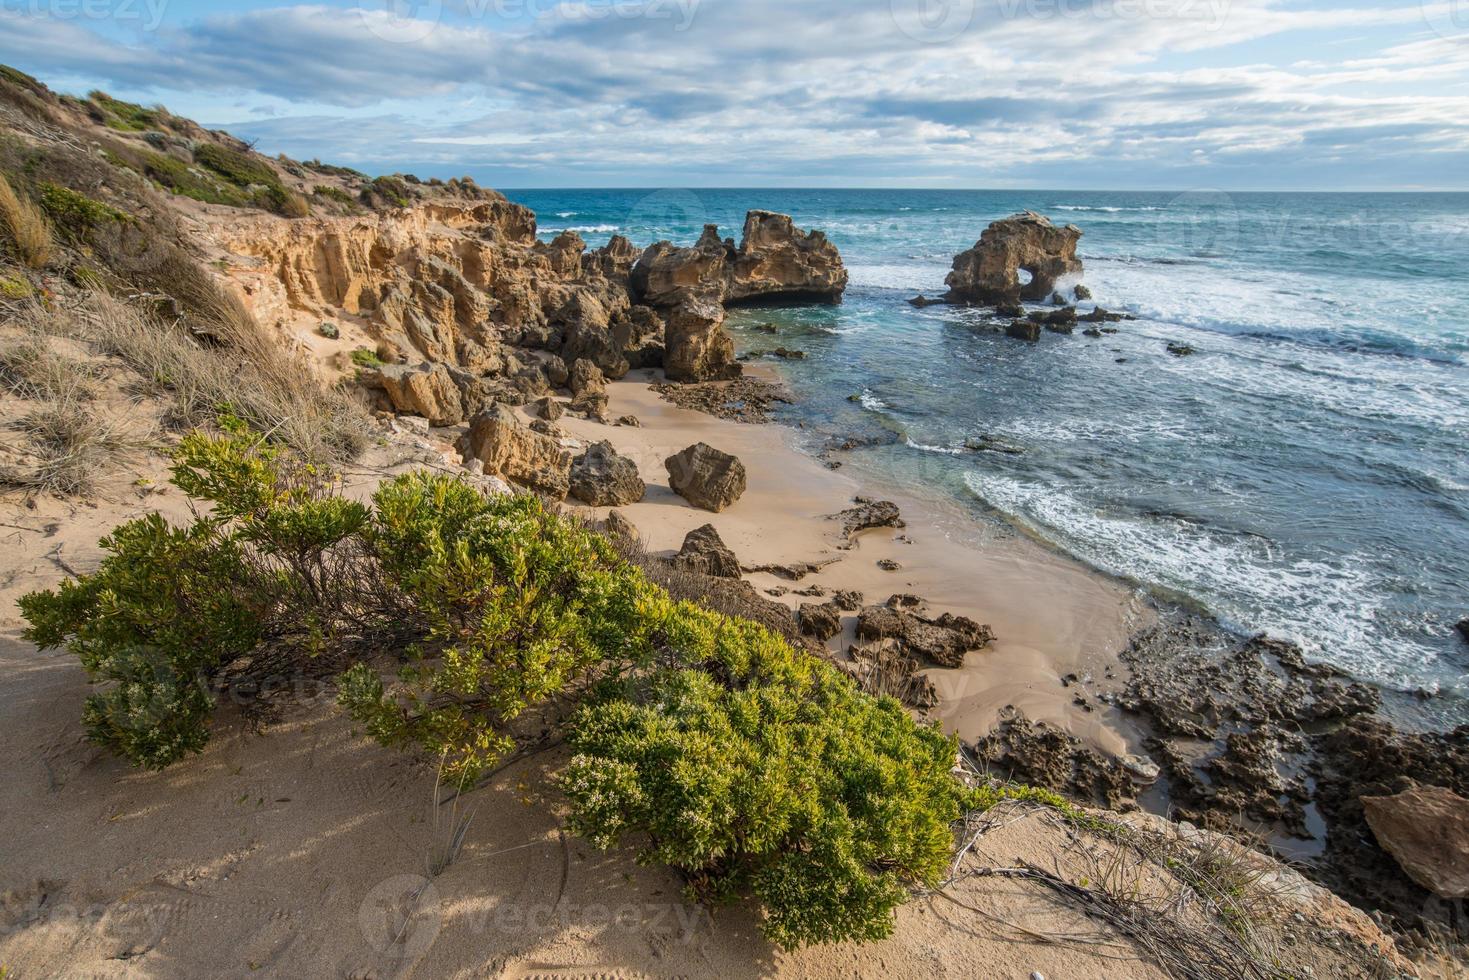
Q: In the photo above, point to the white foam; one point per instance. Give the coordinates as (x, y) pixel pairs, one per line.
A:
(1328, 608)
(946, 450)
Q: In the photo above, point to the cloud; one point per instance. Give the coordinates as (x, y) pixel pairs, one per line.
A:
(643, 92)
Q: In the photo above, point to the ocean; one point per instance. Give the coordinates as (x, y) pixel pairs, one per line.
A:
(1305, 472)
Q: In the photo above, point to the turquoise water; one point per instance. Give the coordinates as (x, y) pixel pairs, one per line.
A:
(1306, 472)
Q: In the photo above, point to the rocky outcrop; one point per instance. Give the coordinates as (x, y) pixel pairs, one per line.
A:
(1040, 754)
(775, 261)
(706, 477)
(866, 515)
(989, 272)
(498, 444)
(424, 389)
(705, 552)
(600, 477)
(1426, 830)
(821, 620)
(696, 348)
(944, 640)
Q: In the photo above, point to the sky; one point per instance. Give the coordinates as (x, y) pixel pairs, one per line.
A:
(1076, 94)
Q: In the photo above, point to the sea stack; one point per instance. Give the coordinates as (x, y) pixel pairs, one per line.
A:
(989, 273)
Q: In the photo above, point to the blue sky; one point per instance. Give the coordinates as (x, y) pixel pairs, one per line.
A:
(1167, 94)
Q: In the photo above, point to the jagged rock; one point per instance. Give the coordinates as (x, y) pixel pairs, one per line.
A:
(1080, 292)
(1039, 754)
(498, 445)
(1099, 315)
(1024, 330)
(1463, 627)
(706, 477)
(1426, 830)
(621, 530)
(821, 620)
(586, 378)
(696, 348)
(742, 400)
(600, 477)
(423, 389)
(548, 408)
(868, 514)
(591, 405)
(775, 260)
(847, 600)
(921, 301)
(889, 564)
(794, 571)
(1092, 332)
(630, 421)
(992, 444)
(1179, 350)
(943, 640)
(547, 428)
(705, 552)
(990, 271)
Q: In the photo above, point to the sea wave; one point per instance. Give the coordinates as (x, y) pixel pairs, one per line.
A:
(1244, 579)
(945, 450)
(1094, 207)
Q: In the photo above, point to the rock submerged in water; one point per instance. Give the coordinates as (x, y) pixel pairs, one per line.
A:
(989, 273)
(706, 477)
(1179, 350)
(1463, 627)
(600, 477)
(1024, 330)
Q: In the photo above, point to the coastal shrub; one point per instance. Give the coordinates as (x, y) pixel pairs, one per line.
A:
(25, 228)
(171, 609)
(75, 213)
(706, 740)
(236, 166)
(753, 768)
(127, 116)
(515, 604)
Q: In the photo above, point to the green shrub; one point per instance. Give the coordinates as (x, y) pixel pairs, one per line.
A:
(127, 116)
(74, 212)
(365, 357)
(517, 603)
(754, 768)
(236, 166)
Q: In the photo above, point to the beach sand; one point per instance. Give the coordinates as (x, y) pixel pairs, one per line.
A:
(1050, 615)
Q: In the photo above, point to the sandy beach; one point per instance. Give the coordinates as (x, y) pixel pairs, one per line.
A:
(1051, 616)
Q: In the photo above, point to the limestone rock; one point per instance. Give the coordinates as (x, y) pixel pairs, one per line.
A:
(868, 514)
(622, 531)
(943, 640)
(775, 260)
(1426, 830)
(705, 552)
(423, 389)
(601, 478)
(696, 346)
(706, 477)
(586, 377)
(497, 444)
(821, 620)
(990, 271)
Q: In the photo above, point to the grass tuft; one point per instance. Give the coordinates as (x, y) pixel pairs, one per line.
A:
(25, 226)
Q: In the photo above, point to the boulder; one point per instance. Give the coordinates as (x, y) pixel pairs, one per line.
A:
(868, 514)
(1024, 330)
(586, 377)
(774, 261)
(423, 389)
(548, 408)
(696, 348)
(778, 261)
(1463, 627)
(498, 445)
(622, 531)
(943, 640)
(706, 477)
(1426, 830)
(821, 620)
(705, 552)
(990, 271)
(600, 477)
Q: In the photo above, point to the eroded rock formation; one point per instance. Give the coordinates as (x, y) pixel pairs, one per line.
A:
(706, 477)
(499, 445)
(989, 272)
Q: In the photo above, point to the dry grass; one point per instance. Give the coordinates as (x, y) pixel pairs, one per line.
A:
(234, 369)
(69, 447)
(25, 226)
